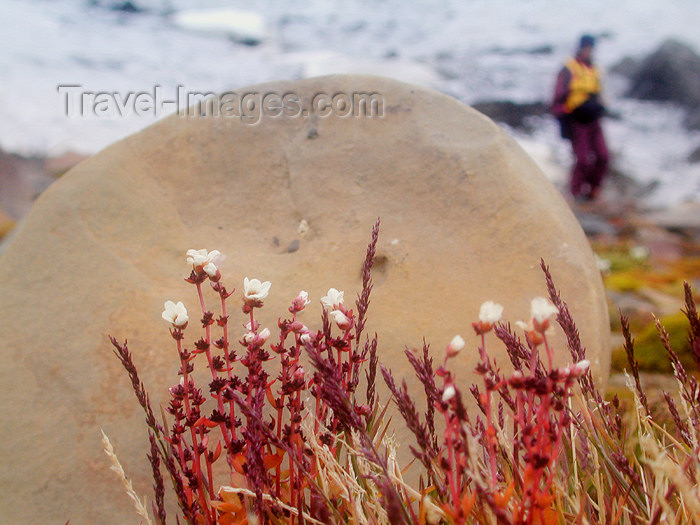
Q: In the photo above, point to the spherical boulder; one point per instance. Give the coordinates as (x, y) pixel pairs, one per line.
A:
(286, 179)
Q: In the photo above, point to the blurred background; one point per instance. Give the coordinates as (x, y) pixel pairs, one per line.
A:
(477, 51)
(502, 56)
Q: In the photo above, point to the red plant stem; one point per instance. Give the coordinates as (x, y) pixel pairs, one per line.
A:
(347, 336)
(210, 475)
(491, 429)
(214, 373)
(229, 366)
(294, 495)
(450, 460)
(550, 352)
(197, 458)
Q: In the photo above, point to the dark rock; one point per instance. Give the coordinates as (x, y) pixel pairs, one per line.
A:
(544, 49)
(293, 246)
(126, 7)
(692, 120)
(627, 67)
(671, 73)
(694, 156)
(513, 114)
(122, 7)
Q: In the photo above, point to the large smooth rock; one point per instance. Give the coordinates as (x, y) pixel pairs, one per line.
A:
(466, 217)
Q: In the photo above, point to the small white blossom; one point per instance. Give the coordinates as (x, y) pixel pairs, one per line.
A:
(175, 314)
(542, 309)
(201, 257)
(448, 393)
(490, 312)
(254, 290)
(333, 299)
(340, 319)
(455, 346)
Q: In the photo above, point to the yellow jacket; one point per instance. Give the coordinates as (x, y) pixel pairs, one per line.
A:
(585, 81)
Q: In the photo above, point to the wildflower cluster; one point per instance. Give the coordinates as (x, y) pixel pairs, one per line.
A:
(533, 443)
(272, 429)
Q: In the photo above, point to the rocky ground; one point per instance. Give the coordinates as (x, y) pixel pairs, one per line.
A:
(645, 258)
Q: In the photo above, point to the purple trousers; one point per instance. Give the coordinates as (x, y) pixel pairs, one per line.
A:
(592, 159)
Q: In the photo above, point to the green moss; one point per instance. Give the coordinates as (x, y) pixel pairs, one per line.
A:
(649, 351)
(629, 281)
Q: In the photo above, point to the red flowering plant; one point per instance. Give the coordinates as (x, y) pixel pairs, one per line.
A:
(273, 430)
(284, 416)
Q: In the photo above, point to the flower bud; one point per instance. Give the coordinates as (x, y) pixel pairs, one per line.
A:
(297, 327)
(341, 319)
(455, 346)
(448, 393)
(363, 410)
(251, 338)
(541, 310)
(516, 379)
(263, 335)
(213, 272)
(299, 374)
(300, 302)
(580, 368)
(306, 339)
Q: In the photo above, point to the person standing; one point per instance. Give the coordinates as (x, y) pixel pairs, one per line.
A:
(578, 108)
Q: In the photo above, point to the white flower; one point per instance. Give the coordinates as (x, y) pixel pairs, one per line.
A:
(333, 299)
(201, 257)
(340, 319)
(448, 393)
(541, 309)
(490, 312)
(455, 346)
(254, 290)
(175, 314)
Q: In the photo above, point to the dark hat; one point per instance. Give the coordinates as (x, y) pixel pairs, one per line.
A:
(586, 41)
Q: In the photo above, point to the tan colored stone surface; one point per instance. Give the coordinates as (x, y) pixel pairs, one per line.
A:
(466, 216)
